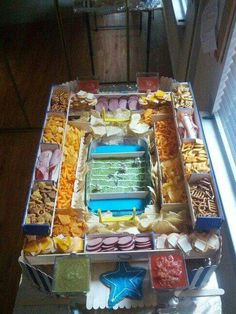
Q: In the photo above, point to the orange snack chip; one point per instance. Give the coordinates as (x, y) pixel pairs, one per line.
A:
(68, 170)
(54, 129)
(166, 139)
(69, 222)
(64, 219)
(147, 116)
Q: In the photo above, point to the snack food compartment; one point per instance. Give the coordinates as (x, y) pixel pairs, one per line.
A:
(195, 158)
(182, 95)
(114, 101)
(54, 128)
(119, 242)
(173, 160)
(205, 222)
(191, 111)
(48, 162)
(73, 138)
(188, 124)
(59, 98)
(176, 163)
(38, 220)
(194, 245)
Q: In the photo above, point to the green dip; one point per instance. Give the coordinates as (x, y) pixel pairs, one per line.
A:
(71, 275)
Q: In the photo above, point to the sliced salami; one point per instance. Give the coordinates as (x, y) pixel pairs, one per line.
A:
(113, 104)
(110, 241)
(133, 104)
(135, 97)
(142, 239)
(94, 242)
(123, 103)
(100, 105)
(125, 240)
(109, 250)
(93, 248)
(128, 248)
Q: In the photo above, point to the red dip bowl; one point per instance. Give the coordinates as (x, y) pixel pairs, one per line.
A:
(168, 271)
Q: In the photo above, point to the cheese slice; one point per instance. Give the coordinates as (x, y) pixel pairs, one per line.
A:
(161, 241)
(172, 240)
(184, 244)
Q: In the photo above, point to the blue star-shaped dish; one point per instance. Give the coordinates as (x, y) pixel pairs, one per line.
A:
(125, 282)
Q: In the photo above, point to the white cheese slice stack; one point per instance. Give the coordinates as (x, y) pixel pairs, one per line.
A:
(184, 244)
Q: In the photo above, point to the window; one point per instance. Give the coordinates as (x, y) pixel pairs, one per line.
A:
(180, 10)
(225, 106)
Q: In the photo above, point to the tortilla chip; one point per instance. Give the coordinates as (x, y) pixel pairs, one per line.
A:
(64, 219)
(164, 227)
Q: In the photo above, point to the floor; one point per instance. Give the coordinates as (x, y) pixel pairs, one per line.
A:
(31, 60)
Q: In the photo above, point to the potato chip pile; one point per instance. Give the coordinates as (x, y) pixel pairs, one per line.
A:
(195, 157)
(165, 221)
(166, 139)
(44, 245)
(170, 221)
(69, 222)
(173, 188)
(54, 129)
(68, 171)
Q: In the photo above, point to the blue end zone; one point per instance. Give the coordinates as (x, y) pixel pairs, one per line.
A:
(117, 149)
(119, 207)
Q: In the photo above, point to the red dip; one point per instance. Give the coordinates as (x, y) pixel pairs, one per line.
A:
(168, 271)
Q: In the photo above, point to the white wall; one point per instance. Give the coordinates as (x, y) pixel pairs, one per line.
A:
(189, 63)
(204, 72)
(206, 80)
(179, 38)
(174, 35)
